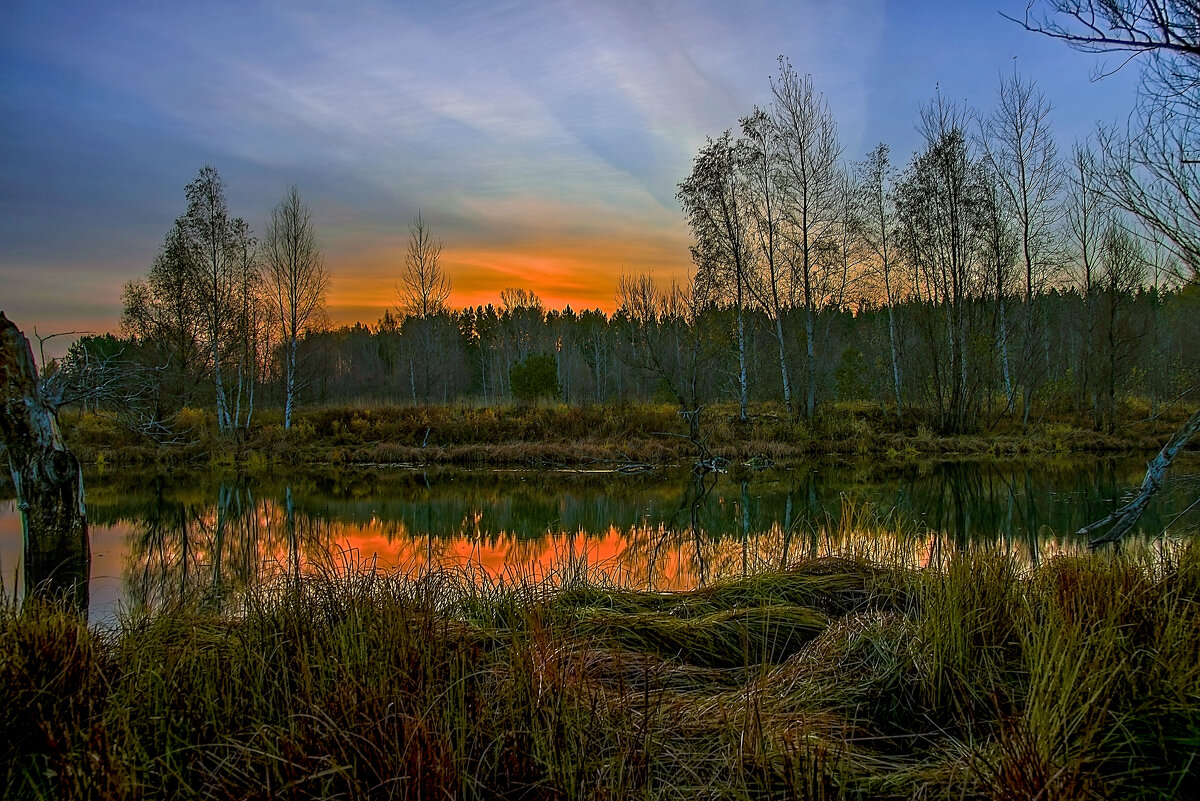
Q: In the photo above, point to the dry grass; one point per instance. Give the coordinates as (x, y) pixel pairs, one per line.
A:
(840, 677)
(584, 435)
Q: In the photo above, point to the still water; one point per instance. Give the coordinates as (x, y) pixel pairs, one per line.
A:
(156, 537)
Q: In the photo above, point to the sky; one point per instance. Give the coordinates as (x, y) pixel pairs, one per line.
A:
(541, 141)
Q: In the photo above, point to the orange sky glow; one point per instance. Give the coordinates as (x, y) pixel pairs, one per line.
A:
(581, 273)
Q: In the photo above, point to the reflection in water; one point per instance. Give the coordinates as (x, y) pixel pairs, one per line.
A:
(209, 538)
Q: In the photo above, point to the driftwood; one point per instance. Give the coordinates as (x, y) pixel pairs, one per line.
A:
(48, 480)
(1124, 519)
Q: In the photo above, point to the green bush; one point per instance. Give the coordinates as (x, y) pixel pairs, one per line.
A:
(535, 378)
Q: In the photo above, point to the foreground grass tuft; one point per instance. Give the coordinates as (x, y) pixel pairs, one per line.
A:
(836, 678)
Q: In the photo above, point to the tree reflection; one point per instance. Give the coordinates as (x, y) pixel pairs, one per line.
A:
(211, 543)
(193, 551)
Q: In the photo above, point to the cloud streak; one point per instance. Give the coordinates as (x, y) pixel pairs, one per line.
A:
(543, 140)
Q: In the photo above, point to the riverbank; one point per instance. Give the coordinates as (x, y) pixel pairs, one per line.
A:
(860, 676)
(610, 436)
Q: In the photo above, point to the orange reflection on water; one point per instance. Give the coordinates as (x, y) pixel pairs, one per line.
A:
(225, 549)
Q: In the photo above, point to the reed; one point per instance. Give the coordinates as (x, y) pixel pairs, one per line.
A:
(840, 677)
(542, 435)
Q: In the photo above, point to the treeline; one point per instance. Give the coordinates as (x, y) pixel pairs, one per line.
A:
(992, 277)
(1140, 342)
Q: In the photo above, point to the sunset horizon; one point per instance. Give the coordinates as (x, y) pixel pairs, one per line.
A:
(543, 143)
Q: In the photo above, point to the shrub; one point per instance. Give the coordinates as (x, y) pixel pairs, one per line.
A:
(535, 378)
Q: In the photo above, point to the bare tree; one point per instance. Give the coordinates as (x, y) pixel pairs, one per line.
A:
(667, 340)
(422, 292)
(1155, 174)
(1155, 27)
(161, 315)
(1021, 153)
(879, 223)
(809, 153)
(250, 336)
(772, 281)
(1086, 213)
(938, 204)
(424, 286)
(1000, 246)
(1122, 272)
(714, 201)
(213, 243)
(297, 282)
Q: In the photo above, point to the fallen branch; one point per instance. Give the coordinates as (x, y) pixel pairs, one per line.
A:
(1124, 519)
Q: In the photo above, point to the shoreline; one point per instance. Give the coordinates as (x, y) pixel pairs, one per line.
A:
(598, 437)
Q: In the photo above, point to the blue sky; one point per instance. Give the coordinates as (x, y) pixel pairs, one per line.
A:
(541, 140)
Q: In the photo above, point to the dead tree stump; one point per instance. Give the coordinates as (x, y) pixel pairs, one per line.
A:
(47, 476)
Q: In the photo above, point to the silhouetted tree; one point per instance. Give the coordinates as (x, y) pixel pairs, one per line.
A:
(214, 245)
(938, 203)
(297, 282)
(714, 201)
(1020, 151)
(808, 151)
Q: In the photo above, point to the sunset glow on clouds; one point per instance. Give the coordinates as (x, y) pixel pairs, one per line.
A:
(542, 141)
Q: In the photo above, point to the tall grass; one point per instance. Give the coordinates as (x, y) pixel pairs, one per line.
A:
(564, 434)
(839, 677)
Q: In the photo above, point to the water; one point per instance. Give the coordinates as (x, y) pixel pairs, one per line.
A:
(155, 537)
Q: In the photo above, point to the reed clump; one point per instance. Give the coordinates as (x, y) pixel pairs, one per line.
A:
(976, 677)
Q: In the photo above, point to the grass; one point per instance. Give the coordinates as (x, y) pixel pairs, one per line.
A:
(840, 677)
(552, 435)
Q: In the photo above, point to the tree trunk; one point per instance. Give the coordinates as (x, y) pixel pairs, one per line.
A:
(290, 380)
(895, 350)
(47, 477)
(783, 370)
(743, 391)
(1009, 395)
(809, 334)
(1124, 519)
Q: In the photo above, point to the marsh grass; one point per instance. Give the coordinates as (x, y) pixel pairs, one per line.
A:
(573, 435)
(842, 676)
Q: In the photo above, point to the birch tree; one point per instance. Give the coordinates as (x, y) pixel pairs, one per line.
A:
(809, 153)
(297, 282)
(213, 241)
(714, 201)
(1020, 151)
(422, 292)
(772, 281)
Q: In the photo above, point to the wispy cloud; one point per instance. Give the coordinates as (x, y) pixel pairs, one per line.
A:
(544, 140)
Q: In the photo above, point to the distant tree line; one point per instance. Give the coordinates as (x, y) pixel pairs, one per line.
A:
(1123, 339)
(993, 276)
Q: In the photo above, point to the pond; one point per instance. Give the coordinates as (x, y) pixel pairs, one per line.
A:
(157, 537)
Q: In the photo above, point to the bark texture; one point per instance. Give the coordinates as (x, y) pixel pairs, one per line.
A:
(48, 480)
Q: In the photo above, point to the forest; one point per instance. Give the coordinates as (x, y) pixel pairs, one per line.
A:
(995, 276)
